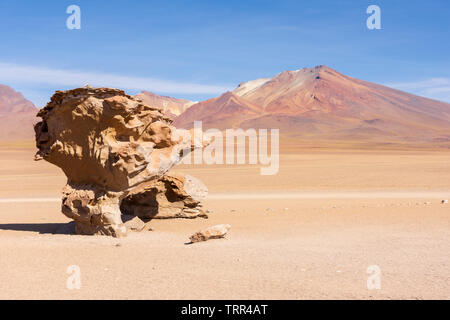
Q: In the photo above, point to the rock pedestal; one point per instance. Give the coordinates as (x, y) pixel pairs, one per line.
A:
(116, 152)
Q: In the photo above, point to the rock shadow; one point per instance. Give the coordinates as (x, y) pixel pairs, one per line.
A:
(42, 228)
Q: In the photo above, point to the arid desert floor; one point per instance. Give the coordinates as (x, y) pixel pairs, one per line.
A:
(309, 232)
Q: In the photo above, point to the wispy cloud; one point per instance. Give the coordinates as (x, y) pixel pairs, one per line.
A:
(29, 75)
(436, 88)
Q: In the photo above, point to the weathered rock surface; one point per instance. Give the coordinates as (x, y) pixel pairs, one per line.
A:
(171, 106)
(134, 223)
(172, 196)
(112, 147)
(215, 232)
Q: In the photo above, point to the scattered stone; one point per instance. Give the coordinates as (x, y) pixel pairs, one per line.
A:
(215, 232)
(147, 227)
(444, 201)
(133, 223)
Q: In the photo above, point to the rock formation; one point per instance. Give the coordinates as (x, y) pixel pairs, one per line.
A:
(115, 151)
(172, 107)
(172, 196)
(214, 232)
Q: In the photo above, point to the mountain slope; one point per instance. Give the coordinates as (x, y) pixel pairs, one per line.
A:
(220, 112)
(172, 106)
(17, 115)
(321, 103)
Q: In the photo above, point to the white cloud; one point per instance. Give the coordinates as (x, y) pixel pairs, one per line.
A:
(29, 75)
(435, 88)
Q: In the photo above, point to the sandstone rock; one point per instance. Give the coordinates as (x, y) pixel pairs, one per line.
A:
(133, 223)
(111, 145)
(215, 232)
(166, 198)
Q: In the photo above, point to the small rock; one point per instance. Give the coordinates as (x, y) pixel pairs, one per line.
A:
(215, 232)
(269, 209)
(209, 211)
(188, 214)
(133, 223)
(285, 209)
(232, 210)
(444, 201)
(147, 227)
(427, 203)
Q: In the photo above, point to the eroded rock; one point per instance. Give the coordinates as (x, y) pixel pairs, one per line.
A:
(172, 196)
(133, 223)
(215, 232)
(112, 147)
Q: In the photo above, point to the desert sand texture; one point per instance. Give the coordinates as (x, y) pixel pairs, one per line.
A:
(309, 232)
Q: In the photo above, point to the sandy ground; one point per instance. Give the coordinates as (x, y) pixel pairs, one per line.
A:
(309, 232)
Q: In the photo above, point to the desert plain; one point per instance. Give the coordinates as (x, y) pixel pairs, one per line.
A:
(309, 232)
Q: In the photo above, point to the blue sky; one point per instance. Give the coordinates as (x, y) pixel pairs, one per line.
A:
(198, 49)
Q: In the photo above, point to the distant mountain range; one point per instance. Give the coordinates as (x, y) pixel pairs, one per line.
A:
(322, 104)
(17, 115)
(172, 106)
(310, 104)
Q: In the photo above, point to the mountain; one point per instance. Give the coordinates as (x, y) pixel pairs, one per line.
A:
(220, 112)
(17, 115)
(322, 104)
(171, 106)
